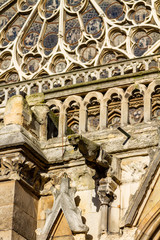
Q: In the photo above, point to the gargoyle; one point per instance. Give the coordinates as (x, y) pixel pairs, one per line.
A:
(94, 155)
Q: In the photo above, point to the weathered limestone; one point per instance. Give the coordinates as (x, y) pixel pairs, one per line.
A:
(144, 209)
(35, 164)
(132, 160)
(106, 194)
(25, 212)
(35, 99)
(18, 209)
(17, 111)
(20, 162)
(91, 151)
(30, 114)
(63, 202)
(40, 112)
(22, 178)
(6, 208)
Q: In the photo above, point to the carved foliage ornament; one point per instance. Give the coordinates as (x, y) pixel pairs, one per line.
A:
(54, 36)
(16, 166)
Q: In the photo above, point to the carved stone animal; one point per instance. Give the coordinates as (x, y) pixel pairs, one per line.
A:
(91, 151)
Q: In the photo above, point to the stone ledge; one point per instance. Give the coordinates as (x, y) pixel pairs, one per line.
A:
(102, 84)
(13, 136)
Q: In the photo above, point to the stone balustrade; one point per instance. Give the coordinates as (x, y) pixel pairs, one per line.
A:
(79, 76)
(115, 107)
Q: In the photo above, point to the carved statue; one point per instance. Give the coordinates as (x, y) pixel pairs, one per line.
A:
(94, 155)
(63, 200)
(108, 171)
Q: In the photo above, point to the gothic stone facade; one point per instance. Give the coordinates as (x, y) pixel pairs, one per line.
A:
(79, 119)
(68, 171)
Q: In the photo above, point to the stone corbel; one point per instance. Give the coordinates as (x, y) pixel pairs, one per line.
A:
(34, 176)
(108, 173)
(106, 189)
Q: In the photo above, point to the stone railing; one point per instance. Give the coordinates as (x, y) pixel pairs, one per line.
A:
(79, 76)
(116, 107)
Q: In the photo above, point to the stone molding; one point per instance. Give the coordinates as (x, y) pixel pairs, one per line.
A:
(16, 166)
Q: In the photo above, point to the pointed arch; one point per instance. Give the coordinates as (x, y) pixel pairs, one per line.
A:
(134, 96)
(73, 114)
(92, 108)
(55, 118)
(112, 105)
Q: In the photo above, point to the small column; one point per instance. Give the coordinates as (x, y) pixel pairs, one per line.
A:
(124, 111)
(106, 189)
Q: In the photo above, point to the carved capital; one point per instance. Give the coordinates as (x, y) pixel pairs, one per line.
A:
(106, 189)
(16, 166)
(11, 165)
(33, 175)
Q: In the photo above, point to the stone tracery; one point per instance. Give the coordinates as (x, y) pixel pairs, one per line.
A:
(56, 36)
(115, 107)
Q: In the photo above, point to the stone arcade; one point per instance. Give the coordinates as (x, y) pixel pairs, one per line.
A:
(79, 120)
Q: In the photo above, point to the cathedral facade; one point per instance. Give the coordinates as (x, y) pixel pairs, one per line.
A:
(79, 120)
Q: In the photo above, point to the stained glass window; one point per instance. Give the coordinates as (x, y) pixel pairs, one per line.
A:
(55, 36)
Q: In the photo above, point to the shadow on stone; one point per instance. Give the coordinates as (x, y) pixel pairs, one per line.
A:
(95, 200)
(77, 200)
(89, 237)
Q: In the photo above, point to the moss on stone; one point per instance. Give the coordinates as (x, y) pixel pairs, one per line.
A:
(98, 81)
(35, 98)
(54, 118)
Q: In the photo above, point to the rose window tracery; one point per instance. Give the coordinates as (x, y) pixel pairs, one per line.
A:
(53, 36)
